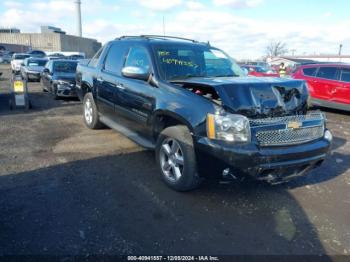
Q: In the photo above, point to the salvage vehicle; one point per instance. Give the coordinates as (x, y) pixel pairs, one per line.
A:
(192, 104)
(16, 62)
(58, 78)
(32, 68)
(329, 84)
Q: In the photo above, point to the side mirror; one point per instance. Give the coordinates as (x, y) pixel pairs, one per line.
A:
(136, 73)
(46, 71)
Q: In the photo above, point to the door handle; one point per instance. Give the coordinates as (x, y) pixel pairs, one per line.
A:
(120, 86)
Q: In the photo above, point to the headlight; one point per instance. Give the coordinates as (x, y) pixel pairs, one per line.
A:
(233, 128)
(60, 82)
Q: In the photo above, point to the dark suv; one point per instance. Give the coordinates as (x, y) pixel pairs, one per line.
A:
(192, 104)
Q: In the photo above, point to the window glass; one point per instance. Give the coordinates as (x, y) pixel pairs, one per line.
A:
(115, 58)
(65, 67)
(309, 71)
(327, 72)
(93, 62)
(345, 75)
(182, 61)
(138, 57)
(35, 62)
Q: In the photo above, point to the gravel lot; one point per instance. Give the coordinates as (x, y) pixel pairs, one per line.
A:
(67, 190)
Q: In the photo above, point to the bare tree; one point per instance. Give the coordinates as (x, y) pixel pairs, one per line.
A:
(277, 48)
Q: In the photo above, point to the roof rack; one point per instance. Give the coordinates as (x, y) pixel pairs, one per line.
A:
(164, 37)
(167, 36)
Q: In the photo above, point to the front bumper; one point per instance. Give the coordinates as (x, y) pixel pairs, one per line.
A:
(273, 164)
(33, 75)
(66, 90)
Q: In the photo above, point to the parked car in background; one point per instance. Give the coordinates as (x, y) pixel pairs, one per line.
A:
(37, 53)
(192, 104)
(55, 56)
(58, 78)
(76, 57)
(6, 57)
(17, 60)
(329, 84)
(32, 68)
(259, 71)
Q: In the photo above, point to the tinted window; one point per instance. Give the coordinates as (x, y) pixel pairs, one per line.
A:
(64, 67)
(327, 72)
(138, 57)
(309, 71)
(36, 62)
(345, 75)
(115, 58)
(20, 57)
(93, 62)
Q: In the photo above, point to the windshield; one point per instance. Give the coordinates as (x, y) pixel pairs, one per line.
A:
(184, 61)
(21, 57)
(36, 62)
(64, 67)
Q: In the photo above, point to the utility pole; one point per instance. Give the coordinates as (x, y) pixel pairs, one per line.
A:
(293, 51)
(78, 17)
(340, 49)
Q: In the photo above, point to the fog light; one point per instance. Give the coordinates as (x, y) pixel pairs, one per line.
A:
(328, 135)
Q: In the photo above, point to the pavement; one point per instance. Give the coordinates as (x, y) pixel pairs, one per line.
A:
(68, 190)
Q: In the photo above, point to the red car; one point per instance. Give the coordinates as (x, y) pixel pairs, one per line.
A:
(329, 84)
(259, 71)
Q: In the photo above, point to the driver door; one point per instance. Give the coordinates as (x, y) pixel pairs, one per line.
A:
(136, 98)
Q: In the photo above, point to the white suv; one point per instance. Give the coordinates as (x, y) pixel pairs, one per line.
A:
(17, 60)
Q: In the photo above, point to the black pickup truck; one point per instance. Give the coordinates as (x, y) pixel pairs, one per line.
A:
(192, 104)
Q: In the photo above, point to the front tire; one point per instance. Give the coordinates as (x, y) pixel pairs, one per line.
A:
(54, 93)
(91, 118)
(176, 159)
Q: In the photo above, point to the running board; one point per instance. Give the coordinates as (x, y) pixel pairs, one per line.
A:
(128, 133)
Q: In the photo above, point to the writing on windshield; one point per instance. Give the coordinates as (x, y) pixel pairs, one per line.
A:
(183, 61)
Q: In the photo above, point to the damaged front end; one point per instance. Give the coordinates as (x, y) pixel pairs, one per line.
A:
(263, 128)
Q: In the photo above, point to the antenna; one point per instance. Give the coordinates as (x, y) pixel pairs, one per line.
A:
(163, 25)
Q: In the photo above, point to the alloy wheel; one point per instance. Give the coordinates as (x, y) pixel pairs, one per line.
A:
(171, 159)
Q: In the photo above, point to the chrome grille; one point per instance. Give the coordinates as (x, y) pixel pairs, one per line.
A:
(286, 119)
(288, 136)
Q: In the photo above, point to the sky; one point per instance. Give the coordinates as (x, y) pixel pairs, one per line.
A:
(243, 28)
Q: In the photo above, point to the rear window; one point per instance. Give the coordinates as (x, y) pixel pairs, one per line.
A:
(345, 75)
(327, 73)
(309, 71)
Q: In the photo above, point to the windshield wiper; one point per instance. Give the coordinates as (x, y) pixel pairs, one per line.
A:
(185, 77)
(230, 75)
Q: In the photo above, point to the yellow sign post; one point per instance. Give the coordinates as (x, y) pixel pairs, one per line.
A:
(19, 94)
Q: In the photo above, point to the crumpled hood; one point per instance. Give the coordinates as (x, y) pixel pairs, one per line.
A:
(257, 97)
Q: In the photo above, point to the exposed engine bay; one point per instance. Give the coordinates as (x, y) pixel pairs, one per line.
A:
(256, 98)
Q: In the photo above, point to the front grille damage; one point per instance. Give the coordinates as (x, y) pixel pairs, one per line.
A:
(289, 130)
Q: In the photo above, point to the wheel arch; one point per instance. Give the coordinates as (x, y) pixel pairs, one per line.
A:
(163, 119)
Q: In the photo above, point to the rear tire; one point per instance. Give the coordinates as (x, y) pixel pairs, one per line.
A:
(176, 159)
(90, 114)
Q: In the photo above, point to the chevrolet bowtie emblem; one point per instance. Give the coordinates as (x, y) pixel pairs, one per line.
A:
(294, 125)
